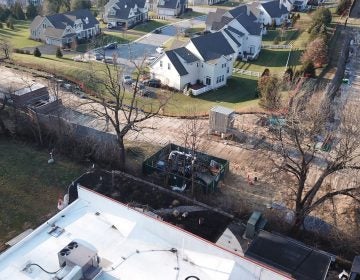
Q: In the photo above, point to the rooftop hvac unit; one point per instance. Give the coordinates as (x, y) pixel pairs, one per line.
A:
(255, 224)
(78, 261)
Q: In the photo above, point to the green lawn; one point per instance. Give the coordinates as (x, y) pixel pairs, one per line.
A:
(238, 94)
(151, 25)
(19, 37)
(191, 14)
(29, 186)
(229, 4)
(273, 59)
(108, 37)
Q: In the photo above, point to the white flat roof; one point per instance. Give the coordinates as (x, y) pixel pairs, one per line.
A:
(130, 244)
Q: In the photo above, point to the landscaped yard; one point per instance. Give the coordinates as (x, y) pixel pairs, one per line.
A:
(19, 37)
(29, 186)
(151, 25)
(238, 94)
(273, 59)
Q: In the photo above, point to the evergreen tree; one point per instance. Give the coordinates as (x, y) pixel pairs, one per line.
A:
(309, 69)
(80, 4)
(37, 52)
(31, 11)
(18, 11)
(59, 53)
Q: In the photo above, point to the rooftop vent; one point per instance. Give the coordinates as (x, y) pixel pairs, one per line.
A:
(78, 261)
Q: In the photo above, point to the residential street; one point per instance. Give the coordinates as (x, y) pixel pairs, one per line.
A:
(146, 45)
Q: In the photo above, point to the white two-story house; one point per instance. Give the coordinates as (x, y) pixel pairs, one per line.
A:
(242, 22)
(126, 13)
(62, 29)
(205, 63)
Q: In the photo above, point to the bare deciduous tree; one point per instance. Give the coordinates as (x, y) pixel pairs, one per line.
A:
(119, 105)
(5, 49)
(305, 142)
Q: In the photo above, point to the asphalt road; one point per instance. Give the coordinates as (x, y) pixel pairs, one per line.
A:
(146, 45)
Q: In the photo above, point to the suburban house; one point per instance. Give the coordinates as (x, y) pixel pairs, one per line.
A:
(203, 64)
(126, 13)
(171, 7)
(300, 5)
(241, 24)
(204, 2)
(63, 29)
(271, 11)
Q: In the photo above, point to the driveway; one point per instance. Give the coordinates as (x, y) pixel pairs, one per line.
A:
(146, 46)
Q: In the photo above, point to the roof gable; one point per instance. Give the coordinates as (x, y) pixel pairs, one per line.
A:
(179, 67)
(212, 46)
(274, 9)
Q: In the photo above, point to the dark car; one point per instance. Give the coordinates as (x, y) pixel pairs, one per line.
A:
(153, 83)
(146, 93)
(157, 31)
(110, 46)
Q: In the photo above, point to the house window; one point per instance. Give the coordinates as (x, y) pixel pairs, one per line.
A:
(197, 64)
(202, 65)
(169, 66)
(161, 63)
(222, 78)
(208, 81)
(227, 70)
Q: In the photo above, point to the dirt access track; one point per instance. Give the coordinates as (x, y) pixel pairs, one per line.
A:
(252, 156)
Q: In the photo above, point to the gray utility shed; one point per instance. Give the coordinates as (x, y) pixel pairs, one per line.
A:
(221, 119)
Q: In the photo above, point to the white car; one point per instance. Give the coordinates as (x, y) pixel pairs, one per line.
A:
(127, 79)
(159, 49)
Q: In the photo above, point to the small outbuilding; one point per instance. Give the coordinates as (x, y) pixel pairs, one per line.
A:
(221, 120)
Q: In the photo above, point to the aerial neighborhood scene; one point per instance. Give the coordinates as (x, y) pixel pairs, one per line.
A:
(179, 139)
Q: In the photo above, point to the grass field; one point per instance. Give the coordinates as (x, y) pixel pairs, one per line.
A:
(19, 37)
(151, 25)
(238, 94)
(29, 186)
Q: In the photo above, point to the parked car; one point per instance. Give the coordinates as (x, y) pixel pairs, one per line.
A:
(127, 79)
(139, 85)
(156, 83)
(111, 46)
(109, 25)
(159, 49)
(146, 93)
(98, 56)
(157, 31)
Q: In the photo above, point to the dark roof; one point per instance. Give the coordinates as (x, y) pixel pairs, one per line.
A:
(212, 46)
(60, 21)
(274, 9)
(248, 21)
(123, 7)
(236, 41)
(176, 62)
(234, 30)
(290, 256)
(168, 4)
(355, 268)
(186, 55)
(298, 3)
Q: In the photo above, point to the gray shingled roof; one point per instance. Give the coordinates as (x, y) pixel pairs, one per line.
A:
(274, 9)
(168, 4)
(36, 22)
(124, 7)
(60, 21)
(176, 62)
(232, 37)
(186, 55)
(233, 30)
(214, 16)
(212, 46)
